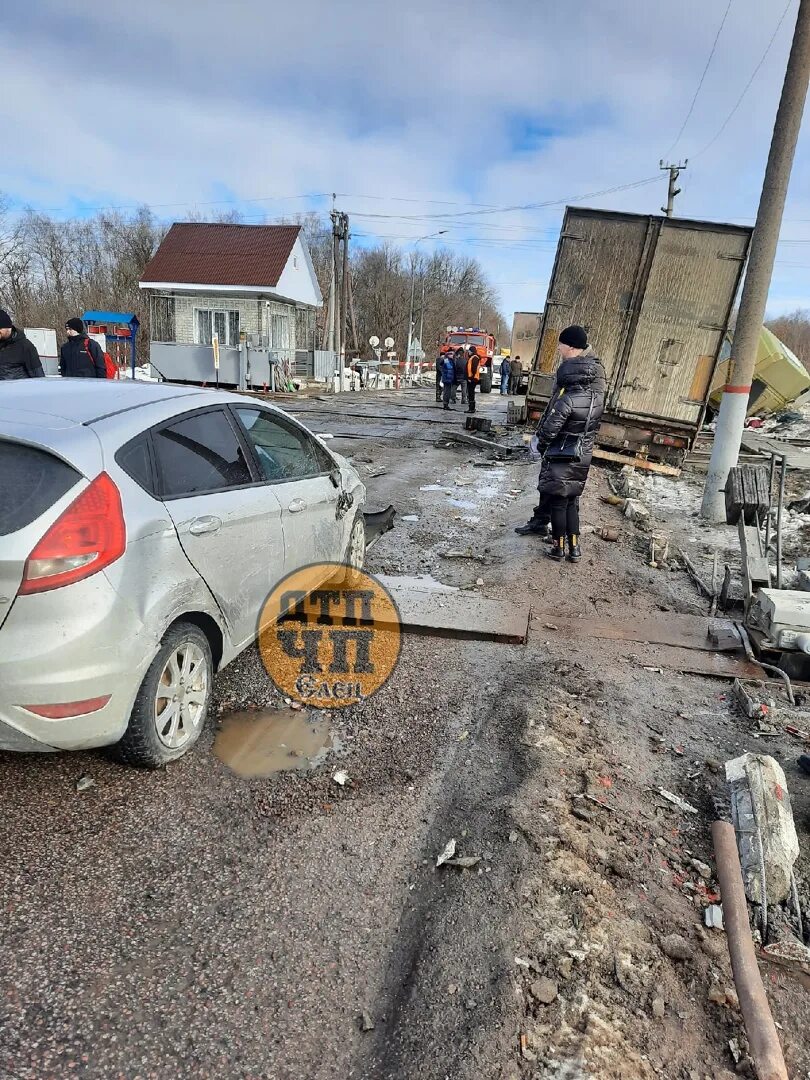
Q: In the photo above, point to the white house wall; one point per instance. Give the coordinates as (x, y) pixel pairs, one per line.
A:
(298, 280)
(252, 314)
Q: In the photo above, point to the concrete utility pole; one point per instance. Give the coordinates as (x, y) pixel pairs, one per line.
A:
(674, 172)
(734, 403)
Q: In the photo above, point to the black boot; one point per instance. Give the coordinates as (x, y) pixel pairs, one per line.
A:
(557, 550)
(574, 552)
(532, 528)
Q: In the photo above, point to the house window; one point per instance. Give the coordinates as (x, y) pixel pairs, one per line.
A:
(280, 337)
(162, 312)
(210, 321)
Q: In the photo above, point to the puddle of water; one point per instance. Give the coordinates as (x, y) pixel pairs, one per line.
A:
(266, 741)
(417, 581)
(463, 504)
(435, 487)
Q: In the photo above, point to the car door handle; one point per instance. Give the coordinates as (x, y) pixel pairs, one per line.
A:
(202, 525)
(296, 506)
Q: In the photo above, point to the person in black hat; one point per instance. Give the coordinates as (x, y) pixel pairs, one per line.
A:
(81, 357)
(19, 358)
(574, 410)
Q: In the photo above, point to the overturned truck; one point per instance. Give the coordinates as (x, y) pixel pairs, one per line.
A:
(655, 295)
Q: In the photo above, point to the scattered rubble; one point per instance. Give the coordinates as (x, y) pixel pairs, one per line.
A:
(448, 852)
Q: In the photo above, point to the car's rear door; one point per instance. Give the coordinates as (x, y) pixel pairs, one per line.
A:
(303, 476)
(228, 522)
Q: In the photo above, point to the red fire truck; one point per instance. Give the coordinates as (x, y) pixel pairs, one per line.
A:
(460, 336)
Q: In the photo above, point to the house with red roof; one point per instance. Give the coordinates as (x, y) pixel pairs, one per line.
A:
(253, 288)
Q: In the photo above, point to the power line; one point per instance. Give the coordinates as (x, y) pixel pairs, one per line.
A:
(763, 58)
(509, 209)
(702, 79)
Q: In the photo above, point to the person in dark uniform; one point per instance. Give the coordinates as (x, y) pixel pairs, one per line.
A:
(19, 358)
(460, 360)
(81, 357)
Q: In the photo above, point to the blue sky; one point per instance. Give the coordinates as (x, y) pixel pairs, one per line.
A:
(425, 116)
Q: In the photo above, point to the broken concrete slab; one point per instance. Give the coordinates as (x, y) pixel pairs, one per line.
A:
(444, 612)
(763, 821)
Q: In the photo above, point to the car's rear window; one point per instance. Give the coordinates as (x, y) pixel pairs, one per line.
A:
(31, 481)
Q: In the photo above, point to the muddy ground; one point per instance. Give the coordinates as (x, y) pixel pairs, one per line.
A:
(192, 923)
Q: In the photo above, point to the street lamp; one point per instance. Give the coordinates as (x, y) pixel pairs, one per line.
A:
(416, 242)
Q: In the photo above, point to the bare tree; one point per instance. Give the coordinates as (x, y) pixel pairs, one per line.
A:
(51, 270)
(794, 330)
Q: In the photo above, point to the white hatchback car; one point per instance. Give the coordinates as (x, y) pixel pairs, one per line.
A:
(142, 527)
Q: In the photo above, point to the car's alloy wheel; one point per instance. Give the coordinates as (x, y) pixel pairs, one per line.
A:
(171, 706)
(182, 695)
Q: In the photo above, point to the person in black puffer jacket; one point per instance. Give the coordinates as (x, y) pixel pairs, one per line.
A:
(81, 357)
(460, 360)
(576, 409)
(19, 358)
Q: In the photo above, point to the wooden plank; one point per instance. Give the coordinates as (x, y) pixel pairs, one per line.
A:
(450, 613)
(683, 631)
(637, 462)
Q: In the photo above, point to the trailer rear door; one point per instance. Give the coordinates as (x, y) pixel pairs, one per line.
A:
(684, 311)
(596, 274)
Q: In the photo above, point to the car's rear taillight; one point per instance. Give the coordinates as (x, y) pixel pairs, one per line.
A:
(88, 536)
(67, 709)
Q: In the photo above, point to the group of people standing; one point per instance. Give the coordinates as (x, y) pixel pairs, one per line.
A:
(511, 375)
(458, 369)
(79, 358)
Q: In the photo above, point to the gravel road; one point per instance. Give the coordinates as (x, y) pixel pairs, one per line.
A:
(191, 923)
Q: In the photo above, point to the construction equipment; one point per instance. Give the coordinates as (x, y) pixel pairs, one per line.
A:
(655, 295)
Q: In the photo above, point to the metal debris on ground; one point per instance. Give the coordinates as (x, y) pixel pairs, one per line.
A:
(448, 852)
(676, 800)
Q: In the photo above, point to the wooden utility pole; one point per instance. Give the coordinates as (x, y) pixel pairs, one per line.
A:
(674, 172)
(734, 403)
